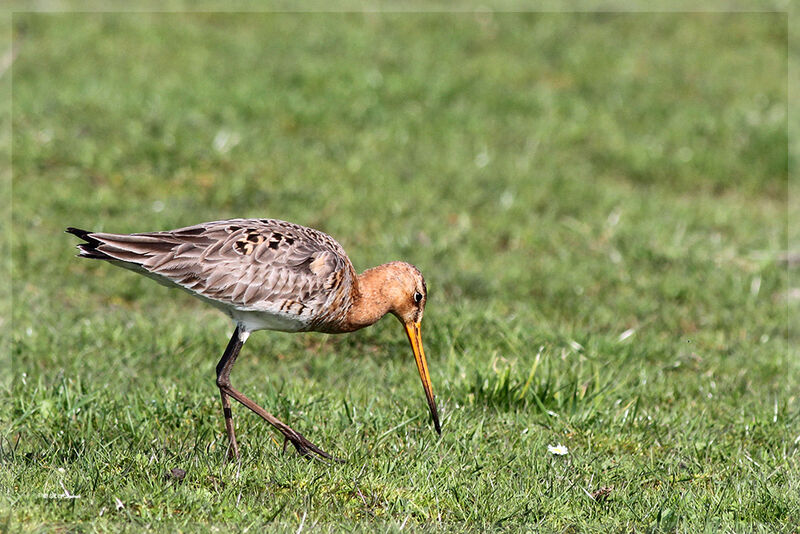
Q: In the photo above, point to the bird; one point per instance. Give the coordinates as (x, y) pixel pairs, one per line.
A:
(269, 274)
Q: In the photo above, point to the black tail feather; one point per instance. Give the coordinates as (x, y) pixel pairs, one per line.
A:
(88, 249)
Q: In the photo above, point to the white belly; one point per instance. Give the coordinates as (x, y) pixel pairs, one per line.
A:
(263, 320)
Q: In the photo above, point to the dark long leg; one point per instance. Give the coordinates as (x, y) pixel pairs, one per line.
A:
(228, 357)
(233, 448)
(224, 367)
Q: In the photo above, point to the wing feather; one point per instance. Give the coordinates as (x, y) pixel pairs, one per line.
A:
(250, 264)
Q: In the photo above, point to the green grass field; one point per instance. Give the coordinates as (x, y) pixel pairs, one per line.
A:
(598, 203)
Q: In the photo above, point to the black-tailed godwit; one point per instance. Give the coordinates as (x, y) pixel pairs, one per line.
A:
(267, 274)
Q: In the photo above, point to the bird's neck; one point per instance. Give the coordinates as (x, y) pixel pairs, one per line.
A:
(370, 300)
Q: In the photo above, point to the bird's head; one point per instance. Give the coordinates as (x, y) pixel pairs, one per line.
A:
(407, 292)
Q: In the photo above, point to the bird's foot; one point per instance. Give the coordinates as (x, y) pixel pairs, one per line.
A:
(232, 451)
(308, 449)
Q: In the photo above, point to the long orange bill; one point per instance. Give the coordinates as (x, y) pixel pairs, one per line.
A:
(415, 338)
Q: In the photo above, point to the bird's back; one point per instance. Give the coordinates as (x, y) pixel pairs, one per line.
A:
(264, 273)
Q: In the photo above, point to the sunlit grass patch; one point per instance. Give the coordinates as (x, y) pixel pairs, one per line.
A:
(598, 203)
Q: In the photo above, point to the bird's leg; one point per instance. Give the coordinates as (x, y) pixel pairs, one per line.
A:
(300, 443)
(224, 367)
(233, 448)
(223, 375)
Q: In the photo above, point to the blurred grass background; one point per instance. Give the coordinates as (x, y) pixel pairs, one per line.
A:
(598, 203)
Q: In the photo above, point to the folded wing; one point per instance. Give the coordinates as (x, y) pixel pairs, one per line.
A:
(247, 264)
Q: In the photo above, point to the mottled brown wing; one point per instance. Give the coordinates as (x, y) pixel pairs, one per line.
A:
(251, 264)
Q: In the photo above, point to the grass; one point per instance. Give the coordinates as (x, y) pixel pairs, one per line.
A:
(598, 203)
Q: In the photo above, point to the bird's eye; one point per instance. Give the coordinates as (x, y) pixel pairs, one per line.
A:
(417, 297)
